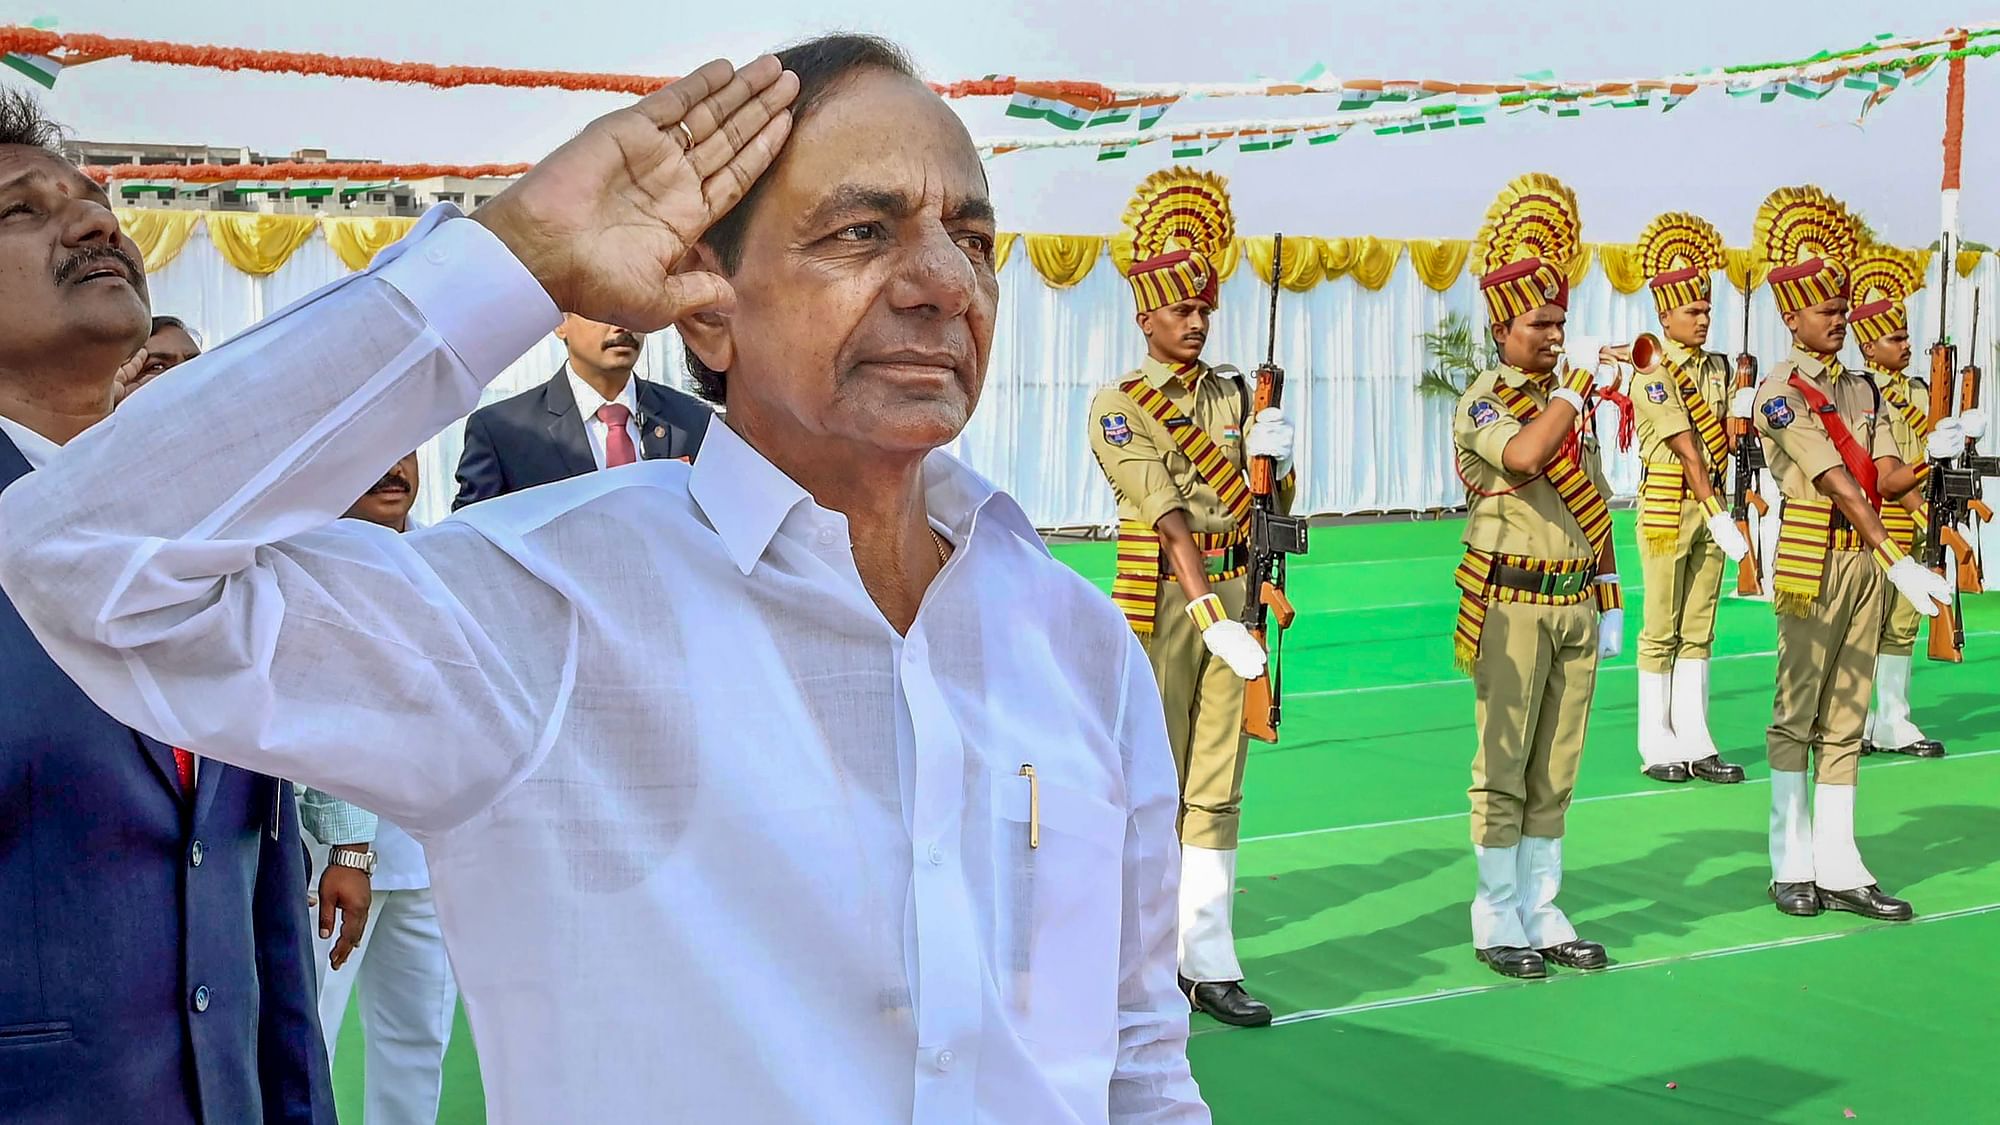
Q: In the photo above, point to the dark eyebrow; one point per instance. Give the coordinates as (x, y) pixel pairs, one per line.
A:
(849, 198)
(29, 177)
(979, 210)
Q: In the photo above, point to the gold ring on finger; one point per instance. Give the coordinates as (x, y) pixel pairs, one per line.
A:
(687, 136)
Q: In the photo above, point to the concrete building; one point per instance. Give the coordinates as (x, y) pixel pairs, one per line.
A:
(341, 195)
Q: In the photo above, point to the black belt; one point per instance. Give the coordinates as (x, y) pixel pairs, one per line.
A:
(1547, 583)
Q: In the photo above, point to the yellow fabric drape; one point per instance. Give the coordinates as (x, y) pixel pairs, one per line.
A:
(357, 240)
(258, 244)
(1003, 245)
(1968, 260)
(1746, 268)
(160, 234)
(1579, 267)
(1438, 261)
(1369, 260)
(1620, 264)
(1303, 268)
(1063, 259)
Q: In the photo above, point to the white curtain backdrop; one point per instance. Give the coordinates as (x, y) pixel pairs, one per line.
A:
(1368, 442)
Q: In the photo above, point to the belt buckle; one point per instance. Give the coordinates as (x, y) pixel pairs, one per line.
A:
(1561, 585)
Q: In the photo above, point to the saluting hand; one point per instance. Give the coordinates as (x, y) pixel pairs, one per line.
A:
(603, 221)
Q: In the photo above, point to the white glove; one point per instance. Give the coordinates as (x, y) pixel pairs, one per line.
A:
(1947, 441)
(1728, 536)
(1741, 403)
(1921, 587)
(1233, 645)
(1610, 633)
(1271, 436)
(1974, 423)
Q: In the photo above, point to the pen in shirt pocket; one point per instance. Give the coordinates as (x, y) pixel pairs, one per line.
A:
(1034, 805)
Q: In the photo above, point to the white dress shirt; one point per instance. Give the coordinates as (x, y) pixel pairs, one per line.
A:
(35, 449)
(709, 840)
(589, 402)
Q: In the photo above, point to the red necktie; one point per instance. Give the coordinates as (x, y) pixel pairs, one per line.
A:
(184, 767)
(617, 440)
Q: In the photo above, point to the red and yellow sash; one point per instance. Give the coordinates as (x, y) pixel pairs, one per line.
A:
(1664, 488)
(1475, 572)
(1135, 588)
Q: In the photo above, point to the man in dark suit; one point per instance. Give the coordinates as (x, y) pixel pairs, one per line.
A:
(594, 414)
(154, 963)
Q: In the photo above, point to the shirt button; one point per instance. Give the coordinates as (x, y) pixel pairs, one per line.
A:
(944, 1059)
(435, 254)
(195, 853)
(937, 854)
(201, 999)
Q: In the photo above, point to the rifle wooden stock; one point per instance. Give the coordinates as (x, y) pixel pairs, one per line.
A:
(1263, 470)
(1749, 569)
(1968, 563)
(1260, 712)
(1943, 643)
(1944, 376)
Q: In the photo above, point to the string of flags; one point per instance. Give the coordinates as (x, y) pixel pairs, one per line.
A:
(1877, 69)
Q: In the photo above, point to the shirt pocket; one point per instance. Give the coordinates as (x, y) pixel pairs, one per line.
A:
(1060, 876)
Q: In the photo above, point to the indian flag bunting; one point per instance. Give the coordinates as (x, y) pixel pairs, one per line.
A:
(1062, 114)
(1811, 89)
(38, 68)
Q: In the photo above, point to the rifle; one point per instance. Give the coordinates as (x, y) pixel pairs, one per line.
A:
(1749, 458)
(1952, 489)
(1273, 535)
(1969, 568)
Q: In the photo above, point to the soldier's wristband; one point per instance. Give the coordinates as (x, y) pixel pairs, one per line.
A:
(1609, 597)
(1711, 507)
(1887, 554)
(1205, 611)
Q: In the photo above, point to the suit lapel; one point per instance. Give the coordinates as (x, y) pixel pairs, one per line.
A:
(566, 425)
(13, 466)
(659, 437)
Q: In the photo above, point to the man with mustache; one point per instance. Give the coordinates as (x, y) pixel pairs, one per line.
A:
(595, 413)
(798, 784)
(154, 964)
(388, 945)
(1539, 603)
(1835, 458)
(1171, 439)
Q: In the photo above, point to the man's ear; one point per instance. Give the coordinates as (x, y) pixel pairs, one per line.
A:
(707, 334)
(1145, 323)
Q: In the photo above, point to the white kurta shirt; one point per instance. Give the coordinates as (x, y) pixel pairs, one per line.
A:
(709, 840)
(589, 402)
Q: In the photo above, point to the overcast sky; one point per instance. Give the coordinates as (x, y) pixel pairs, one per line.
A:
(1713, 155)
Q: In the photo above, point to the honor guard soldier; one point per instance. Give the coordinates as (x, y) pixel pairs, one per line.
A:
(1173, 438)
(1684, 533)
(1835, 459)
(1884, 278)
(1539, 601)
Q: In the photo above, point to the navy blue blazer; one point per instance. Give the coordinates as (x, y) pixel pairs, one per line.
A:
(155, 954)
(537, 437)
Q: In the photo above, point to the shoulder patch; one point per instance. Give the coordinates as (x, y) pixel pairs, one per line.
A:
(1116, 430)
(1656, 393)
(1778, 412)
(1484, 413)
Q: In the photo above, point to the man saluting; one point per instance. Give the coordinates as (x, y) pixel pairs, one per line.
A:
(866, 816)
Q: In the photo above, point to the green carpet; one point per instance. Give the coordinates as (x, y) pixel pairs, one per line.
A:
(1356, 874)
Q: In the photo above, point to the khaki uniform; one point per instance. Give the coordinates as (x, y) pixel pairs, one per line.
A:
(1152, 476)
(1826, 655)
(1900, 624)
(1684, 582)
(1536, 664)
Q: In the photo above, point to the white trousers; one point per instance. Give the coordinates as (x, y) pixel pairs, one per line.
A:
(408, 998)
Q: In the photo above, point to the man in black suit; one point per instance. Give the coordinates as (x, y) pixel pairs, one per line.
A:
(154, 963)
(594, 414)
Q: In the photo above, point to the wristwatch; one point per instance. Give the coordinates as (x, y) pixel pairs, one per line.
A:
(363, 862)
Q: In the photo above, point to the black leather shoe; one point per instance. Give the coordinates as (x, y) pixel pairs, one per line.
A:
(1226, 1001)
(1922, 748)
(1714, 769)
(1800, 899)
(1577, 954)
(1869, 902)
(1673, 773)
(1514, 961)
(1867, 748)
